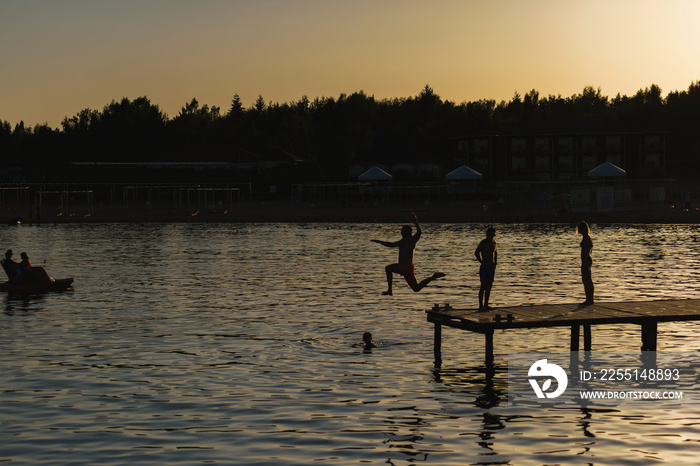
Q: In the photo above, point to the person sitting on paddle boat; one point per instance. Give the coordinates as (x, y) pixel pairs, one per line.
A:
(406, 245)
(29, 272)
(25, 265)
(10, 267)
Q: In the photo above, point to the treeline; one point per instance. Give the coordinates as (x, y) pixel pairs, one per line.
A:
(332, 133)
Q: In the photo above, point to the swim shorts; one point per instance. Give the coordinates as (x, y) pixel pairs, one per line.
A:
(408, 271)
(486, 273)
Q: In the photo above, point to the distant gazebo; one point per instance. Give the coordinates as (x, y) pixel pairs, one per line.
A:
(607, 170)
(375, 185)
(463, 173)
(610, 192)
(375, 174)
(463, 181)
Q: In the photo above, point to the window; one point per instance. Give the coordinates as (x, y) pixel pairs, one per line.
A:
(481, 145)
(542, 144)
(613, 143)
(652, 142)
(481, 163)
(589, 162)
(565, 162)
(652, 161)
(542, 162)
(565, 144)
(518, 163)
(518, 145)
(589, 143)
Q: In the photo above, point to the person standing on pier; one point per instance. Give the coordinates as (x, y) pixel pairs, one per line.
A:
(586, 261)
(406, 245)
(487, 255)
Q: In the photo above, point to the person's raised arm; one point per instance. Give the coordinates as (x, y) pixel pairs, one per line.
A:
(418, 229)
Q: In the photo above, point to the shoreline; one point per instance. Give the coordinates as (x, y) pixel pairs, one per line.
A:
(298, 212)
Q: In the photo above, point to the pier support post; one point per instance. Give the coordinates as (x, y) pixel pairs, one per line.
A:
(488, 353)
(587, 339)
(437, 344)
(649, 329)
(575, 332)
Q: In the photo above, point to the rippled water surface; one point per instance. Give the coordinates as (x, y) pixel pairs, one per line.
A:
(240, 344)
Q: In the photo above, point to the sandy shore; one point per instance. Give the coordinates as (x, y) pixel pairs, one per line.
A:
(289, 211)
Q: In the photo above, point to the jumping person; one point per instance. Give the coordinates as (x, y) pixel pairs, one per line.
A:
(406, 245)
(487, 255)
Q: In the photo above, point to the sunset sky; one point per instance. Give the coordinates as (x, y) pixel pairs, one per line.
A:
(59, 57)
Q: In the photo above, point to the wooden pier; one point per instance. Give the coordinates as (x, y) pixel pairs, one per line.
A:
(647, 314)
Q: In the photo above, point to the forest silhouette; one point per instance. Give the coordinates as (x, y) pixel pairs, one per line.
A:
(330, 134)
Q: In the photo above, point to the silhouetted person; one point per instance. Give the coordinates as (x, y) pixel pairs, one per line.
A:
(24, 265)
(29, 272)
(10, 267)
(406, 245)
(586, 261)
(487, 255)
(367, 339)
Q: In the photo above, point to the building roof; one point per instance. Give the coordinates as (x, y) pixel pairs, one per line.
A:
(375, 174)
(606, 169)
(464, 173)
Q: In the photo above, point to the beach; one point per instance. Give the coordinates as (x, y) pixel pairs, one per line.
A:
(286, 211)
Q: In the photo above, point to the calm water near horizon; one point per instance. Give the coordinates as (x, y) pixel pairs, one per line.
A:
(241, 344)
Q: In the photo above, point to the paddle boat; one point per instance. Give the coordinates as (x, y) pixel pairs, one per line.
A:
(29, 279)
(33, 287)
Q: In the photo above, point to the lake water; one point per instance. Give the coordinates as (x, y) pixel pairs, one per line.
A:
(240, 344)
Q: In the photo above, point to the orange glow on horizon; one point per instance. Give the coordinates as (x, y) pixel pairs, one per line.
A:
(83, 55)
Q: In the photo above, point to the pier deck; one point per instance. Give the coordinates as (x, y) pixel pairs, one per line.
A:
(645, 313)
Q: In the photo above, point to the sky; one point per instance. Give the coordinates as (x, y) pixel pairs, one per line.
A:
(58, 57)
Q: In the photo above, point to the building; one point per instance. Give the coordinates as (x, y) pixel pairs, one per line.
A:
(563, 156)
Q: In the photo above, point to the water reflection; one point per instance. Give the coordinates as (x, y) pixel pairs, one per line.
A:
(17, 303)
